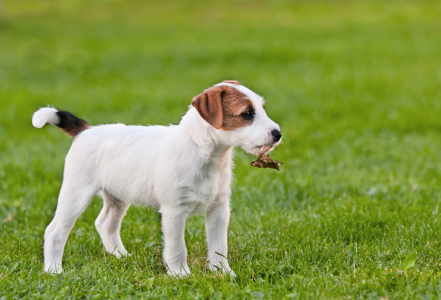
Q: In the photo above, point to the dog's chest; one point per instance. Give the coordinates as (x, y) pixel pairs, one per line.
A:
(201, 196)
(206, 187)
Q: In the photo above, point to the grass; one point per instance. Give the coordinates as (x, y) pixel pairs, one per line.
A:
(355, 86)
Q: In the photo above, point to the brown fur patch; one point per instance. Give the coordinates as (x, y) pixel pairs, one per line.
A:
(235, 103)
(209, 105)
(221, 107)
(70, 124)
(231, 81)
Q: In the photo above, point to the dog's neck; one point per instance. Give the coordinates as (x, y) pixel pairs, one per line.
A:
(213, 149)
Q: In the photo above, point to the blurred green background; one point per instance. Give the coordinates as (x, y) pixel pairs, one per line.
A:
(355, 86)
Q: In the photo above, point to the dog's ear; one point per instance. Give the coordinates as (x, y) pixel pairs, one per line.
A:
(209, 105)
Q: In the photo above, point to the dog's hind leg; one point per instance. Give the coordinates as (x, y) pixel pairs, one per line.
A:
(108, 224)
(71, 204)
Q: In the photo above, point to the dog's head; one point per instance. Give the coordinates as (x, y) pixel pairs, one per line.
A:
(239, 116)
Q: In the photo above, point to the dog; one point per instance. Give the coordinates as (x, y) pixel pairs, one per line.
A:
(179, 169)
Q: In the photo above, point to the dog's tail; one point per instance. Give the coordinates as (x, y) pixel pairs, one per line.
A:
(66, 121)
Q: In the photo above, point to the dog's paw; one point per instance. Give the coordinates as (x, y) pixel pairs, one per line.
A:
(179, 272)
(121, 253)
(225, 269)
(228, 272)
(53, 269)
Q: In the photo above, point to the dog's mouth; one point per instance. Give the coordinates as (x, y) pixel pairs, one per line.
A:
(261, 150)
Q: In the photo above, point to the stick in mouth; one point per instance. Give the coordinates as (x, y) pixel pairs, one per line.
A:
(266, 162)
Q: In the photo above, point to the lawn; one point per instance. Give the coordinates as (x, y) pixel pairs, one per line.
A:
(355, 86)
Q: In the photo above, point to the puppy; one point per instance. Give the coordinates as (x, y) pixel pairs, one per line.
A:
(178, 169)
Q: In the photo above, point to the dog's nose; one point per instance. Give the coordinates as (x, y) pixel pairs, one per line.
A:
(277, 135)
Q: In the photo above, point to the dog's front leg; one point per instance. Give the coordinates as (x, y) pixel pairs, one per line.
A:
(216, 223)
(175, 252)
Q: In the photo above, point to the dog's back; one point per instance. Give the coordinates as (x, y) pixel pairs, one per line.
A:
(120, 159)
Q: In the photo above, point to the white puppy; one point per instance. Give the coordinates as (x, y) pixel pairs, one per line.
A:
(179, 169)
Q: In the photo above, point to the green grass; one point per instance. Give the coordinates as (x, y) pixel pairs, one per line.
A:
(355, 86)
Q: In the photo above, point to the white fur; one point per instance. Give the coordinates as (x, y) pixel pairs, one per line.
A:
(179, 169)
(44, 115)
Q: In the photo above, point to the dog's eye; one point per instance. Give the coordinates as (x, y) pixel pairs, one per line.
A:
(264, 107)
(248, 115)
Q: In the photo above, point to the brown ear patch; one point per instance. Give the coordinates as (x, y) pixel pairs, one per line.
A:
(209, 105)
(234, 104)
(222, 106)
(235, 82)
